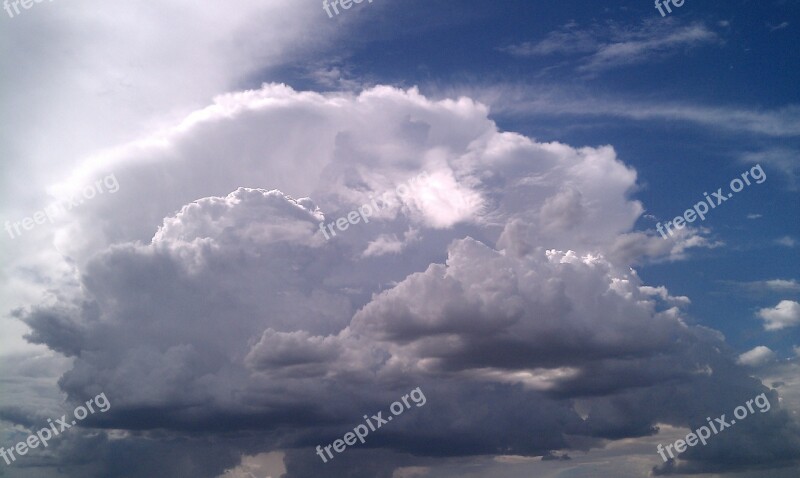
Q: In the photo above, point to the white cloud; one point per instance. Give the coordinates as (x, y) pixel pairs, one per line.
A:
(786, 241)
(391, 244)
(757, 357)
(785, 314)
(263, 465)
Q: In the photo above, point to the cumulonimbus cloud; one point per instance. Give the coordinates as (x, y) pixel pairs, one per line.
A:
(234, 317)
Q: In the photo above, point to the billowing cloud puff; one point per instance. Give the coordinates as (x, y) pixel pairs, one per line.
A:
(352, 151)
(757, 356)
(785, 314)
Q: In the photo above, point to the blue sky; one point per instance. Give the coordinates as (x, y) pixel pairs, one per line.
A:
(522, 285)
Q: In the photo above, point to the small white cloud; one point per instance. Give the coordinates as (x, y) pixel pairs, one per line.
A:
(786, 241)
(785, 314)
(663, 293)
(263, 465)
(777, 27)
(754, 216)
(390, 243)
(758, 356)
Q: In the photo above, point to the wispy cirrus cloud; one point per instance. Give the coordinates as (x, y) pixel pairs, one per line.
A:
(778, 285)
(763, 288)
(777, 27)
(611, 45)
(569, 39)
(526, 100)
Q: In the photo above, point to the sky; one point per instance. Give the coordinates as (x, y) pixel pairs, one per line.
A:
(409, 239)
